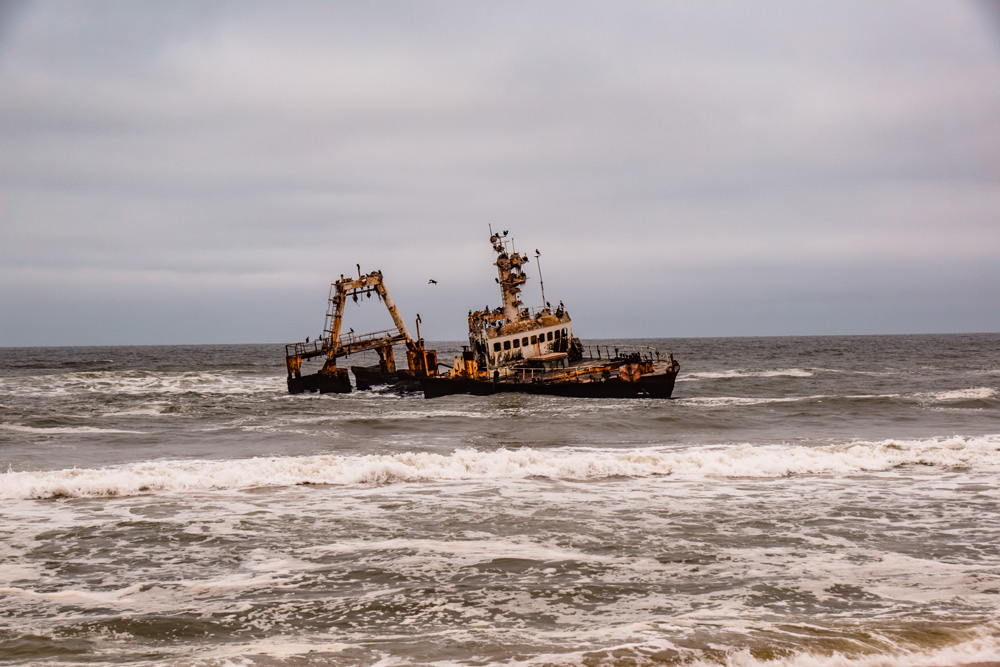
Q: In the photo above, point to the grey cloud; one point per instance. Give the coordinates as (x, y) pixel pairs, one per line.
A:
(711, 153)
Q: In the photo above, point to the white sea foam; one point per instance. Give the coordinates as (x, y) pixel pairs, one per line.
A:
(145, 411)
(238, 654)
(62, 430)
(354, 415)
(974, 393)
(738, 460)
(136, 382)
(984, 649)
(469, 551)
(723, 401)
(746, 373)
(74, 595)
(148, 595)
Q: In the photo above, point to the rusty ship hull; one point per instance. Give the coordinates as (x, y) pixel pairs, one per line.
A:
(373, 377)
(322, 382)
(658, 384)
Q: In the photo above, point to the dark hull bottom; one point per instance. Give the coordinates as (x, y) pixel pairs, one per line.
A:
(649, 386)
(368, 377)
(324, 383)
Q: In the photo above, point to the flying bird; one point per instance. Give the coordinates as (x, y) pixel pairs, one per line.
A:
(432, 282)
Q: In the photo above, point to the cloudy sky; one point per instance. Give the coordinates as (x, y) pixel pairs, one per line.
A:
(200, 171)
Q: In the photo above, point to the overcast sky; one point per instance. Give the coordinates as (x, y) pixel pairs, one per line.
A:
(200, 171)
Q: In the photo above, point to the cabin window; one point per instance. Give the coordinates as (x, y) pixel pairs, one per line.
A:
(524, 341)
(517, 343)
(557, 334)
(564, 333)
(534, 340)
(550, 335)
(506, 345)
(496, 347)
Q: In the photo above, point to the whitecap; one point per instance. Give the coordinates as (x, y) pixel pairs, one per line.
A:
(62, 430)
(745, 373)
(971, 394)
(722, 401)
(983, 649)
(139, 382)
(729, 460)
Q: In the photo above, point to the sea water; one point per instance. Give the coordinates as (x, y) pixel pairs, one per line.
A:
(821, 501)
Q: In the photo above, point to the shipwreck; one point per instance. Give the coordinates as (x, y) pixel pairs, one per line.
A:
(533, 350)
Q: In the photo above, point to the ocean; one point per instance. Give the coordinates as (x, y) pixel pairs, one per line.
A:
(800, 502)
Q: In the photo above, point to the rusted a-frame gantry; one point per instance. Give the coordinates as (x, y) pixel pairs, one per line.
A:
(333, 344)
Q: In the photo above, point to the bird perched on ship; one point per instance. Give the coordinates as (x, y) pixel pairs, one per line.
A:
(432, 282)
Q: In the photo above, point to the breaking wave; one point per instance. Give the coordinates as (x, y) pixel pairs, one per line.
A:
(973, 394)
(745, 373)
(978, 651)
(739, 460)
(945, 397)
(140, 382)
(725, 401)
(62, 430)
(981, 651)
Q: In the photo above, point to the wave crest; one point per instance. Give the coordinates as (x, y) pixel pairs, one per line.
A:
(971, 394)
(740, 460)
(746, 373)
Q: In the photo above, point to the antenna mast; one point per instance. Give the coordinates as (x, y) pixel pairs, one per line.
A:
(538, 262)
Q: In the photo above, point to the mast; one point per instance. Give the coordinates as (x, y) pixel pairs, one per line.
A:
(541, 283)
(510, 275)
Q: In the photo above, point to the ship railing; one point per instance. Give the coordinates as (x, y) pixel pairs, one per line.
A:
(307, 350)
(350, 338)
(527, 312)
(365, 342)
(531, 373)
(352, 343)
(645, 352)
(496, 317)
(522, 373)
(348, 343)
(532, 312)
